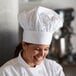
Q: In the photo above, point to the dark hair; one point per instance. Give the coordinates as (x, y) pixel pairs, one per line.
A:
(19, 48)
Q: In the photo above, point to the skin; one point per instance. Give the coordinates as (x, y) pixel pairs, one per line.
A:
(34, 54)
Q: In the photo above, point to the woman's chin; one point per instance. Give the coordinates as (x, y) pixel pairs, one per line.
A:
(38, 62)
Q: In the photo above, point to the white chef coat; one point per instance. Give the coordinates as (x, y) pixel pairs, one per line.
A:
(18, 67)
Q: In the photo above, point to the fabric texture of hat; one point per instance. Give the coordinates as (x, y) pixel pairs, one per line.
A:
(39, 25)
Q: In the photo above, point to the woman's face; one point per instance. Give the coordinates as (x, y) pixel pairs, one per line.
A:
(34, 54)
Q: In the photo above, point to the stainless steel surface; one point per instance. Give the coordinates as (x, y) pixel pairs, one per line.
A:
(8, 29)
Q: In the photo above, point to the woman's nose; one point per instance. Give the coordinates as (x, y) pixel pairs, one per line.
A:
(42, 52)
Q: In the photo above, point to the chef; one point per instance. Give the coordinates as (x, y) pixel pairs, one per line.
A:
(38, 24)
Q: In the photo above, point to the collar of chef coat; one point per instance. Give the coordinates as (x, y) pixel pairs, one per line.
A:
(22, 62)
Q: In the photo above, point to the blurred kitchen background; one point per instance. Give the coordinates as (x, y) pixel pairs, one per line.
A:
(63, 48)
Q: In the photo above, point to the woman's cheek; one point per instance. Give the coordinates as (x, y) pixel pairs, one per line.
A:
(35, 52)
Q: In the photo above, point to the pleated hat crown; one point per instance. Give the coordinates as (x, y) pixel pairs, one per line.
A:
(39, 25)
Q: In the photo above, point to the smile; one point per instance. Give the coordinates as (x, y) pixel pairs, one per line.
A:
(38, 58)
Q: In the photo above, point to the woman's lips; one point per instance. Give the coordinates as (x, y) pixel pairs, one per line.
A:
(38, 58)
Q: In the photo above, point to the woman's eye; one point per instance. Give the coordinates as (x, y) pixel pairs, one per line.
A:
(46, 49)
(37, 49)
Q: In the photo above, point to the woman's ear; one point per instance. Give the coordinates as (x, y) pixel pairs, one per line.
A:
(24, 45)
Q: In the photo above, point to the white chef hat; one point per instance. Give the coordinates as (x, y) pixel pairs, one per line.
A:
(39, 25)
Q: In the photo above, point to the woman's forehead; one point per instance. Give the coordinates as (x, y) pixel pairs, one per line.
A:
(39, 45)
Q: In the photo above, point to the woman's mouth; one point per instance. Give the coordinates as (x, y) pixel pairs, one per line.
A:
(38, 58)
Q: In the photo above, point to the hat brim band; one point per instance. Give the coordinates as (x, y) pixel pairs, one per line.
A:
(37, 37)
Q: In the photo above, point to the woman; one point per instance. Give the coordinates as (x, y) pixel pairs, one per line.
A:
(39, 25)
